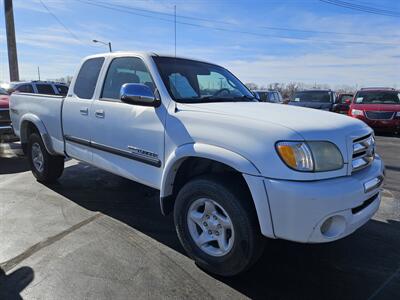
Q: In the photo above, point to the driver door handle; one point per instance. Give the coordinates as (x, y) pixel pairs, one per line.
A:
(99, 113)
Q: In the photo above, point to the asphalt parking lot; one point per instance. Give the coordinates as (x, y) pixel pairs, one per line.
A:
(96, 235)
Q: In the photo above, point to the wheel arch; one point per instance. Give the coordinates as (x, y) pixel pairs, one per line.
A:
(197, 158)
(30, 123)
(204, 151)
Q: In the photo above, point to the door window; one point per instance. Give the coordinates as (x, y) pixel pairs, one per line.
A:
(87, 78)
(125, 70)
(25, 88)
(62, 89)
(46, 89)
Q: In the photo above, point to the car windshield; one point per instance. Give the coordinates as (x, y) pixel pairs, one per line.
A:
(344, 98)
(190, 81)
(377, 97)
(312, 96)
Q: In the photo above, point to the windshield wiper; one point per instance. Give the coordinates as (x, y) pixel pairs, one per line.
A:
(246, 97)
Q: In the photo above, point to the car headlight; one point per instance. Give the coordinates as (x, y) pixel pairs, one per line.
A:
(310, 156)
(357, 112)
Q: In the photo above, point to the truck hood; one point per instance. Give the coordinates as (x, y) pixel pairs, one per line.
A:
(253, 128)
(317, 105)
(309, 123)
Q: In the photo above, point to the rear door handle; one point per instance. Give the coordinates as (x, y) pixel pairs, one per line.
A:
(99, 113)
(84, 111)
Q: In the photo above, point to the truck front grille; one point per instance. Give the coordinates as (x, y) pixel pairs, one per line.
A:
(4, 116)
(379, 115)
(363, 152)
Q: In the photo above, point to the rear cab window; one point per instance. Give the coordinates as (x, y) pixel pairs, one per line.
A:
(88, 75)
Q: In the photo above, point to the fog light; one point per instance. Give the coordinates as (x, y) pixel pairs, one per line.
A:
(333, 227)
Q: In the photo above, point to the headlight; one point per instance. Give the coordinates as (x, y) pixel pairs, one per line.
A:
(310, 156)
(357, 112)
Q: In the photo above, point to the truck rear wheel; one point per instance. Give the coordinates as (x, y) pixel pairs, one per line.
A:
(45, 167)
(217, 225)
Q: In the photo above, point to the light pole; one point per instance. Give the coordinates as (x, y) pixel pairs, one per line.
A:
(109, 44)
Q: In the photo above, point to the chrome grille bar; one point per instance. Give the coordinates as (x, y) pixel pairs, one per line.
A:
(363, 152)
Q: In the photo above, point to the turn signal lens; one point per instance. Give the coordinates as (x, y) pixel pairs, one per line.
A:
(297, 155)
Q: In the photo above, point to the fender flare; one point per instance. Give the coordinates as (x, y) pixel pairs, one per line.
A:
(230, 158)
(31, 118)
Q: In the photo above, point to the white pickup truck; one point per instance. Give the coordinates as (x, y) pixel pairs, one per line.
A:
(231, 169)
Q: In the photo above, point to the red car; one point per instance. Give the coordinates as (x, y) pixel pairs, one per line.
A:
(5, 122)
(378, 107)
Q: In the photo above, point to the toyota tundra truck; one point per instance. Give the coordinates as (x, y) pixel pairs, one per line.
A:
(233, 171)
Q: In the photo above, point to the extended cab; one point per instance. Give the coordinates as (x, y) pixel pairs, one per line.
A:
(232, 170)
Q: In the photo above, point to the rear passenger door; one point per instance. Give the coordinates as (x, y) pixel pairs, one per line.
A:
(77, 110)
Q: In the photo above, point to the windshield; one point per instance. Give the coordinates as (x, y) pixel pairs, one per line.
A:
(190, 81)
(312, 96)
(377, 97)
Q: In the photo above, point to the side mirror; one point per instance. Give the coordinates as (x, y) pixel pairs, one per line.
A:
(138, 94)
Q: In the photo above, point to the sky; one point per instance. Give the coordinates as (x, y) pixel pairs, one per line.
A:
(260, 41)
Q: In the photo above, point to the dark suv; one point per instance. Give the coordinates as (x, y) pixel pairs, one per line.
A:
(319, 99)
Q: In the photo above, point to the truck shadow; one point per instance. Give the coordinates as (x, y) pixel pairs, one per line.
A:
(13, 284)
(13, 165)
(352, 268)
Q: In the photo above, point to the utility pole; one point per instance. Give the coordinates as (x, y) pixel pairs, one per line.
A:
(38, 71)
(11, 43)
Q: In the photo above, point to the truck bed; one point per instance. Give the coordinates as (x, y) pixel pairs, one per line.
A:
(45, 109)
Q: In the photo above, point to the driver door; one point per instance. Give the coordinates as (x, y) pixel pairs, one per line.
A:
(128, 139)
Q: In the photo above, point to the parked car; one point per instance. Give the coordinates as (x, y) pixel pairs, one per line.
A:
(268, 96)
(39, 87)
(319, 99)
(231, 169)
(5, 122)
(378, 107)
(342, 103)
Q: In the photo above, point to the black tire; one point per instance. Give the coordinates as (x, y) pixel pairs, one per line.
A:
(53, 166)
(248, 243)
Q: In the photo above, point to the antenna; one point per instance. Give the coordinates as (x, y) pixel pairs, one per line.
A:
(175, 27)
(176, 106)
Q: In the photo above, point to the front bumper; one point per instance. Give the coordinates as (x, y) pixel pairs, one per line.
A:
(392, 125)
(6, 129)
(325, 210)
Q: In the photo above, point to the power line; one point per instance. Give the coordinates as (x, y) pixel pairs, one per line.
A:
(193, 18)
(127, 10)
(60, 22)
(363, 8)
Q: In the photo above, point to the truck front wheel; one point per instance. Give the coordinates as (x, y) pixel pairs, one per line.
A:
(217, 225)
(45, 167)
